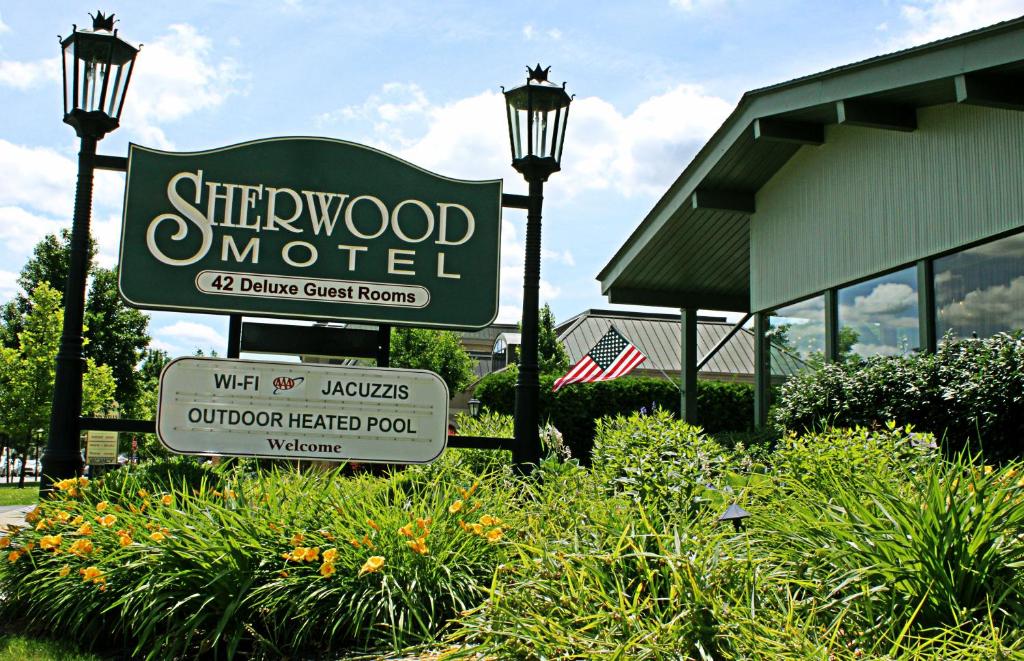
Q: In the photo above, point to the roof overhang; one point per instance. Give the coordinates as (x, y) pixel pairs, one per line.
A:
(693, 248)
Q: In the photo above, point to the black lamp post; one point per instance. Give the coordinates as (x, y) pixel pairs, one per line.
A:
(474, 408)
(97, 68)
(537, 115)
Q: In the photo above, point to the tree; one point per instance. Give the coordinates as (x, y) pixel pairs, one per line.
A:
(27, 374)
(115, 335)
(153, 362)
(437, 351)
(551, 355)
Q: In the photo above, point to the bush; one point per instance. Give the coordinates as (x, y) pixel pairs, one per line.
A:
(969, 390)
(173, 473)
(660, 463)
(575, 408)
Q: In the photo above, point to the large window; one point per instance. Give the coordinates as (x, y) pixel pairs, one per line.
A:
(797, 335)
(980, 291)
(879, 317)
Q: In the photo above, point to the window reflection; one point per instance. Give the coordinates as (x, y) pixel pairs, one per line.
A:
(878, 317)
(980, 291)
(797, 335)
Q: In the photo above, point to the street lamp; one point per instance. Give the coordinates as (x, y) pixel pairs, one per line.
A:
(474, 408)
(97, 69)
(537, 115)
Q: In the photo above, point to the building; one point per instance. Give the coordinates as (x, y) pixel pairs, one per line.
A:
(867, 209)
(726, 350)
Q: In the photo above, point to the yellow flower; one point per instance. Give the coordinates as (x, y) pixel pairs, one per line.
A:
(34, 515)
(494, 535)
(406, 530)
(419, 545)
(487, 520)
(13, 556)
(455, 507)
(372, 564)
(166, 499)
(108, 520)
(229, 493)
(93, 574)
(297, 538)
(157, 536)
(64, 571)
(988, 470)
(42, 525)
(50, 542)
(312, 554)
(83, 481)
(63, 485)
(1020, 482)
(476, 528)
(85, 529)
(327, 569)
(5, 542)
(298, 554)
(124, 539)
(82, 547)
(63, 516)
(330, 555)
(143, 493)
(77, 521)
(102, 506)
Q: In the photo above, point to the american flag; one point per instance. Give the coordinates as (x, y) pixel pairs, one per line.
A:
(612, 357)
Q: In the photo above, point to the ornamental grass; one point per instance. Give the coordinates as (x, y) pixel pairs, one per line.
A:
(861, 544)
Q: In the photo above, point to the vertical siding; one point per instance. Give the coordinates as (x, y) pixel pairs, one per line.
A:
(869, 200)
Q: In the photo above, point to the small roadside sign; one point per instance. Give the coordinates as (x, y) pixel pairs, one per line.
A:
(213, 406)
(100, 447)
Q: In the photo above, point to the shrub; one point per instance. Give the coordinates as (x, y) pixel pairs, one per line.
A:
(163, 474)
(575, 408)
(968, 391)
(660, 463)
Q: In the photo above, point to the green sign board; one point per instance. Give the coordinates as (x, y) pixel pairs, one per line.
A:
(309, 227)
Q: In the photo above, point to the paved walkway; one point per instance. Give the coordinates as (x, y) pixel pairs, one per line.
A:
(13, 515)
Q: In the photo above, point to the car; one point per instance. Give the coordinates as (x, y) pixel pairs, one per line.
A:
(32, 467)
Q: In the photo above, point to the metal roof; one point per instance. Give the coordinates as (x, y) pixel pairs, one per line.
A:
(659, 338)
(693, 248)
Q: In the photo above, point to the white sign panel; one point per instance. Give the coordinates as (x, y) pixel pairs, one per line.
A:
(100, 447)
(299, 411)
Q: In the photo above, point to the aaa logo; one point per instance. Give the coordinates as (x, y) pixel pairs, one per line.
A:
(286, 383)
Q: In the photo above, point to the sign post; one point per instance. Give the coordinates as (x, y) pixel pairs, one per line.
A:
(302, 411)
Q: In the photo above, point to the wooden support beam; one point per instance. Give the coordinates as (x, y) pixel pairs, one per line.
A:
(771, 129)
(675, 299)
(859, 112)
(720, 200)
(994, 91)
(688, 362)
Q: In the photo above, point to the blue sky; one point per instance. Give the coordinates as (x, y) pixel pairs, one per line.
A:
(422, 80)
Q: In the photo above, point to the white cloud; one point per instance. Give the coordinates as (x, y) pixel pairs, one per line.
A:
(513, 255)
(696, 5)
(529, 32)
(981, 306)
(3, 26)
(26, 75)
(886, 300)
(37, 178)
(176, 75)
(20, 230)
(929, 20)
(634, 154)
(189, 335)
(8, 284)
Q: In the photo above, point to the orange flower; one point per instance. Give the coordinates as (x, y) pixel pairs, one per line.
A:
(368, 543)
(95, 575)
(166, 499)
(312, 554)
(297, 538)
(157, 536)
(64, 571)
(5, 542)
(143, 493)
(85, 529)
(424, 523)
(406, 530)
(419, 545)
(81, 547)
(373, 524)
(283, 574)
(42, 525)
(327, 569)
(354, 542)
(330, 555)
(47, 542)
(77, 521)
(327, 535)
(487, 520)
(63, 516)
(13, 556)
(456, 506)
(229, 493)
(298, 554)
(494, 535)
(476, 528)
(372, 564)
(124, 539)
(108, 520)
(102, 506)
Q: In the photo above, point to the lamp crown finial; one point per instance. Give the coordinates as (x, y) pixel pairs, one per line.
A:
(101, 22)
(538, 74)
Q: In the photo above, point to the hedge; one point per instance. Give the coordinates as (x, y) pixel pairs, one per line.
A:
(967, 391)
(575, 408)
